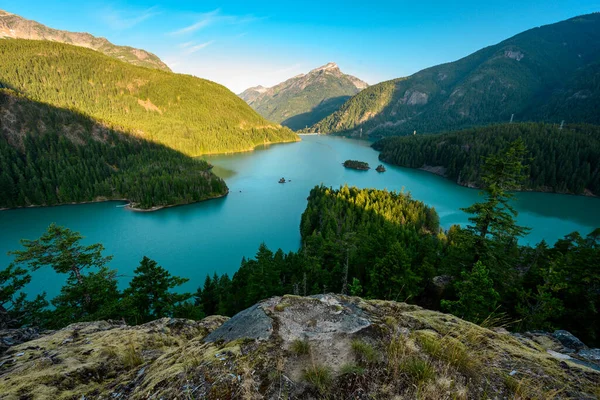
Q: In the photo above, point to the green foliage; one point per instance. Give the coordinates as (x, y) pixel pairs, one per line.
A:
(392, 276)
(300, 347)
(560, 160)
(495, 216)
(187, 114)
(67, 157)
(550, 73)
(477, 298)
(149, 294)
(91, 297)
(15, 309)
(319, 376)
(351, 369)
(364, 352)
(418, 370)
(355, 288)
(354, 164)
(60, 249)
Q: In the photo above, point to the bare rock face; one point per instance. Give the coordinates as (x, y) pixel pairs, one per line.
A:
(15, 27)
(515, 55)
(324, 346)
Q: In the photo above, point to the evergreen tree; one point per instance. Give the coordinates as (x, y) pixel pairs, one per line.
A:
(477, 299)
(60, 249)
(149, 294)
(15, 309)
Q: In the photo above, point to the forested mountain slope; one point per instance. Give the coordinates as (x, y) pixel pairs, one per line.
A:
(305, 99)
(188, 114)
(550, 73)
(53, 156)
(562, 160)
(15, 27)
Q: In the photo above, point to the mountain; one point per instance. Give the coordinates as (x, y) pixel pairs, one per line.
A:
(304, 99)
(550, 73)
(191, 115)
(292, 347)
(15, 27)
(251, 94)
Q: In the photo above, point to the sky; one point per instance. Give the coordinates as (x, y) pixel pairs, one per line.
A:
(244, 43)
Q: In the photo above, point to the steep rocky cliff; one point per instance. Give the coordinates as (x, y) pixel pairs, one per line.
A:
(325, 346)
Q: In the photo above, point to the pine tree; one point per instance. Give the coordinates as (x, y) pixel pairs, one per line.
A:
(149, 294)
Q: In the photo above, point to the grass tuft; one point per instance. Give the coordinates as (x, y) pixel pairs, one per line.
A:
(364, 352)
(352, 369)
(318, 376)
(300, 347)
(418, 370)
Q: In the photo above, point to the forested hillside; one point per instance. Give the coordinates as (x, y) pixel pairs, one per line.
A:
(548, 73)
(15, 27)
(52, 156)
(560, 160)
(305, 99)
(188, 114)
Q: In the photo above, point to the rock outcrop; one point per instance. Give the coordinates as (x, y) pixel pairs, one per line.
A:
(325, 346)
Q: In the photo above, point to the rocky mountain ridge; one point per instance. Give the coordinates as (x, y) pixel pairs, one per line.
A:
(323, 346)
(15, 27)
(305, 98)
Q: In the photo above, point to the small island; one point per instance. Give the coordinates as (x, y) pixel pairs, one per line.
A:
(354, 164)
(380, 168)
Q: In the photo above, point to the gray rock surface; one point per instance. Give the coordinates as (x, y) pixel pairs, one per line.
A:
(568, 340)
(252, 323)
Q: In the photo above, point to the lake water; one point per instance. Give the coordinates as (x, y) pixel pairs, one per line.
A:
(213, 236)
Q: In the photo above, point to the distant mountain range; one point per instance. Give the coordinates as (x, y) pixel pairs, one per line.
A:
(304, 99)
(15, 27)
(550, 73)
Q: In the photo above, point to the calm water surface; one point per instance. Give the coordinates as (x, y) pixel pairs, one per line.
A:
(213, 236)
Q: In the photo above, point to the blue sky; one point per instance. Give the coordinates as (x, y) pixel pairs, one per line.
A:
(246, 43)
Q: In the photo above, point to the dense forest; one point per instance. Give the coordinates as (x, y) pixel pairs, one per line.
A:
(188, 114)
(371, 243)
(563, 160)
(52, 156)
(549, 73)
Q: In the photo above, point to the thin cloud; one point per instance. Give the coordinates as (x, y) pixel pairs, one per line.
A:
(212, 18)
(195, 48)
(186, 44)
(126, 19)
(291, 68)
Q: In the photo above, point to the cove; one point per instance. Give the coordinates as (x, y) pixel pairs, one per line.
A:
(198, 239)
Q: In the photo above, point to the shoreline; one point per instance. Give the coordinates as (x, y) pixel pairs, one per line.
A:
(127, 206)
(436, 170)
(247, 150)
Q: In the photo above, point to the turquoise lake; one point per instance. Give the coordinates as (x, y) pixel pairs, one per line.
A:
(213, 236)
